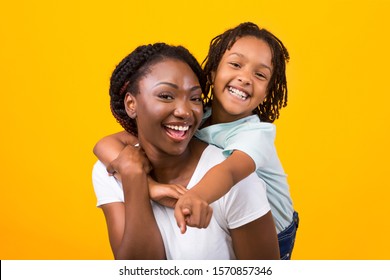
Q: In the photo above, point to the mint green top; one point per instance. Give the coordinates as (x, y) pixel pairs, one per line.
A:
(256, 139)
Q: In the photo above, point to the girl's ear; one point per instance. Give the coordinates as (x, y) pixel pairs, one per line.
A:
(212, 77)
(131, 105)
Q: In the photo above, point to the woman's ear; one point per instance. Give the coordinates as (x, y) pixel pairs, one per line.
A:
(131, 105)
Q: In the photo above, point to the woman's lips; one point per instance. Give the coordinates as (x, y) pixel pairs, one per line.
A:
(177, 132)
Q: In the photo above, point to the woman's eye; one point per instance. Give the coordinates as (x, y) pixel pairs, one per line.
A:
(165, 96)
(197, 99)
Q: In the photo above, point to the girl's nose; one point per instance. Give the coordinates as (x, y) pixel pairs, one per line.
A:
(245, 78)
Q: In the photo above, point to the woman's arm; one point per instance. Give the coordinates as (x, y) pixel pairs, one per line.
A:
(256, 240)
(108, 148)
(191, 208)
(250, 221)
(132, 228)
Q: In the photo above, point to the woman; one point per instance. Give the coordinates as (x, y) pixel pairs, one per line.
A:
(156, 95)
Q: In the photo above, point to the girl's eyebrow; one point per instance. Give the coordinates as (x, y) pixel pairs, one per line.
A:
(266, 66)
(176, 86)
(243, 56)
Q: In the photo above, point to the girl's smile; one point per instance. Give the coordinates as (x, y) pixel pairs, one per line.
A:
(241, 79)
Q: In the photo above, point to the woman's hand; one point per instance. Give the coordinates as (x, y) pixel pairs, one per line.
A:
(130, 160)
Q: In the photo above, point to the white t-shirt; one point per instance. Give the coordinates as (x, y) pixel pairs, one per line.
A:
(244, 203)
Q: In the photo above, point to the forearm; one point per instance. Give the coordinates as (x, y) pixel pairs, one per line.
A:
(109, 147)
(141, 236)
(214, 184)
(221, 178)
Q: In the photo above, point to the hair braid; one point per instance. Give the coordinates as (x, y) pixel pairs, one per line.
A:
(125, 79)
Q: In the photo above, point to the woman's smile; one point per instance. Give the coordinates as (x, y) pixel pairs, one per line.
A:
(177, 132)
(169, 106)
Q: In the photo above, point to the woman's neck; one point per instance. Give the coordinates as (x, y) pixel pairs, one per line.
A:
(179, 169)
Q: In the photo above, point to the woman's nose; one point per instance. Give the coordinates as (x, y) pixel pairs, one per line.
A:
(183, 110)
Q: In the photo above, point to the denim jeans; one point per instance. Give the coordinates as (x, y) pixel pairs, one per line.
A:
(286, 238)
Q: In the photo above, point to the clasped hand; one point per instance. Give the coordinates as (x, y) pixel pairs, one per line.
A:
(130, 160)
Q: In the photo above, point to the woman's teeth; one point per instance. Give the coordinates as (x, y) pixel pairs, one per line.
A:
(177, 132)
(238, 93)
(178, 127)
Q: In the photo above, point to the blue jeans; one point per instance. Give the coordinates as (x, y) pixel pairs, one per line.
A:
(286, 238)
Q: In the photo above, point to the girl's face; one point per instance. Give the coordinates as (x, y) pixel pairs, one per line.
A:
(241, 79)
(168, 107)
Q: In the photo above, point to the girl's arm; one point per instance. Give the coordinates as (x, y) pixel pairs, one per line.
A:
(190, 208)
(109, 147)
(132, 228)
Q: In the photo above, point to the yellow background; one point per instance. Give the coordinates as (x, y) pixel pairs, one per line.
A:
(55, 61)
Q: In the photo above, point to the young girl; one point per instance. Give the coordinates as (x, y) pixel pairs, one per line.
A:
(245, 68)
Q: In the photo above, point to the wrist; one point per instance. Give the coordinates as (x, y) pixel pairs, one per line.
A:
(198, 193)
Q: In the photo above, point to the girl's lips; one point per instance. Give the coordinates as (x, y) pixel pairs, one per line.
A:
(242, 95)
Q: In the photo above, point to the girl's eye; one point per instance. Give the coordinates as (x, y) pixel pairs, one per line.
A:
(235, 64)
(260, 76)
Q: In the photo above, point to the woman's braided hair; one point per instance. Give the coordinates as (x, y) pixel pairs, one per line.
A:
(126, 76)
(276, 97)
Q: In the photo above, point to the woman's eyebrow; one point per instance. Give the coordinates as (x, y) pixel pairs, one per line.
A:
(166, 83)
(176, 86)
(195, 88)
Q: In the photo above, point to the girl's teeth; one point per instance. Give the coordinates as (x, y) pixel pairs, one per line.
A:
(238, 93)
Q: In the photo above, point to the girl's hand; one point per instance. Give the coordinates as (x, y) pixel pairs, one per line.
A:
(191, 210)
(164, 194)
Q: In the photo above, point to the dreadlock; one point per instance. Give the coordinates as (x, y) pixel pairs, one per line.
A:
(276, 97)
(126, 76)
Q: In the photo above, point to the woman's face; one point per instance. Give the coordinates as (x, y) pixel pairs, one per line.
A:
(168, 107)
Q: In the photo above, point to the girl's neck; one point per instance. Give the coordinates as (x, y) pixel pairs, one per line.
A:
(219, 115)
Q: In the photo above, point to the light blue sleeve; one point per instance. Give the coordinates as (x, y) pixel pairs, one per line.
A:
(254, 139)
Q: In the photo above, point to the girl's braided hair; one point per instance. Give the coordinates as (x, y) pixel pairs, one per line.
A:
(126, 76)
(276, 97)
